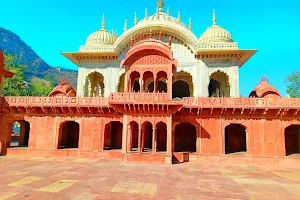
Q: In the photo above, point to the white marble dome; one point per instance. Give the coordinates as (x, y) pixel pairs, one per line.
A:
(100, 37)
(216, 33)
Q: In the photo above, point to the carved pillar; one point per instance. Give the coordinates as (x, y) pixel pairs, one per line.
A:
(170, 134)
(169, 86)
(129, 138)
(155, 84)
(140, 135)
(125, 134)
(143, 139)
(198, 133)
(154, 139)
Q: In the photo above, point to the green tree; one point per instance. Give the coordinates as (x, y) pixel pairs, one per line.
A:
(48, 78)
(15, 86)
(292, 82)
(38, 88)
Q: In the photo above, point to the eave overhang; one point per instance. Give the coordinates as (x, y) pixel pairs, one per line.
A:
(77, 57)
(242, 56)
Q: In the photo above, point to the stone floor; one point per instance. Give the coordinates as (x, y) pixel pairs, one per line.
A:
(87, 179)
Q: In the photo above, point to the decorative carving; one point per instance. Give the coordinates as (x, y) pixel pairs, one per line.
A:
(152, 60)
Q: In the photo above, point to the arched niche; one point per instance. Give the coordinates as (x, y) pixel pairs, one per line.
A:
(94, 85)
(219, 85)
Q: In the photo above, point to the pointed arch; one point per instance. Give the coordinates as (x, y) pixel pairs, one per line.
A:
(121, 83)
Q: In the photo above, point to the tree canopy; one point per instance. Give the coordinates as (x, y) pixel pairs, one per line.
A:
(292, 82)
(17, 86)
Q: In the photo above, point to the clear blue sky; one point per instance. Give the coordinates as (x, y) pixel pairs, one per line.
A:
(270, 26)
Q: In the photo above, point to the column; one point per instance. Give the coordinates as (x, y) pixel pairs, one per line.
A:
(143, 140)
(155, 84)
(139, 142)
(169, 136)
(154, 140)
(127, 137)
(169, 82)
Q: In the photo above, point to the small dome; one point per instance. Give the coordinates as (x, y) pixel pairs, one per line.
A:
(63, 89)
(216, 33)
(264, 90)
(100, 37)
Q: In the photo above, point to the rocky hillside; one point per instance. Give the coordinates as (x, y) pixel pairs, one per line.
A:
(11, 43)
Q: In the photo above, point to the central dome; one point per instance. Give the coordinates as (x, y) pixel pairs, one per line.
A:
(163, 17)
(216, 33)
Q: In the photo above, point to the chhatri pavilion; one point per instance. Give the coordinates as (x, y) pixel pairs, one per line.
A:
(156, 93)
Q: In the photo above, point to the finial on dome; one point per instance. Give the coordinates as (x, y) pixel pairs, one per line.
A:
(146, 13)
(178, 19)
(214, 18)
(125, 25)
(168, 11)
(103, 22)
(135, 19)
(190, 24)
(160, 4)
(264, 79)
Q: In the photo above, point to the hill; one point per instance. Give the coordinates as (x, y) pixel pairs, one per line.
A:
(36, 67)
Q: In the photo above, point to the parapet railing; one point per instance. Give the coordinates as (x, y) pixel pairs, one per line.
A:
(60, 101)
(119, 98)
(123, 98)
(241, 102)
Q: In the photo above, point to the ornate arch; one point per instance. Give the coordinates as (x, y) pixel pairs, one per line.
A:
(121, 83)
(186, 77)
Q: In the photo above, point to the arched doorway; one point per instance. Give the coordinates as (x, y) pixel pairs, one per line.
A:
(185, 138)
(20, 134)
(180, 89)
(113, 135)
(134, 136)
(235, 139)
(147, 134)
(219, 85)
(68, 135)
(161, 137)
(95, 84)
(182, 85)
(292, 139)
(135, 81)
(148, 78)
(162, 85)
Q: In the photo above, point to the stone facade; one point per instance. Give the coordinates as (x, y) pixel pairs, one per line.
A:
(156, 94)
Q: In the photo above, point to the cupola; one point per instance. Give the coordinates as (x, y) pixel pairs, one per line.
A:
(215, 33)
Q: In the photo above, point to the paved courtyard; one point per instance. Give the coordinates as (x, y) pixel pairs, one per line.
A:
(87, 179)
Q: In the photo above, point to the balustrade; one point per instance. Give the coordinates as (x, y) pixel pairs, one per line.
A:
(54, 101)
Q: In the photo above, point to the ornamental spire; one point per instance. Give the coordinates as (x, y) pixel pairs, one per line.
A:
(160, 4)
(190, 24)
(135, 19)
(125, 25)
(146, 13)
(168, 11)
(179, 19)
(103, 22)
(214, 18)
